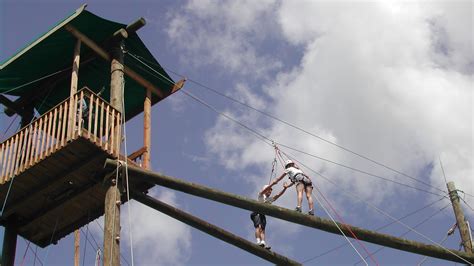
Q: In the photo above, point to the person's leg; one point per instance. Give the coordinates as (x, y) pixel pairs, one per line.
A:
(309, 197)
(299, 194)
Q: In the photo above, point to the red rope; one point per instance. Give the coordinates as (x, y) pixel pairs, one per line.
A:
(340, 218)
(348, 228)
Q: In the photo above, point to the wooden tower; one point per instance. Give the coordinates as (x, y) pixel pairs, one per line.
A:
(83, 85)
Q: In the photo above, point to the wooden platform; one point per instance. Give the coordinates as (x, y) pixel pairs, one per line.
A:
(56, 170)
(59, 194)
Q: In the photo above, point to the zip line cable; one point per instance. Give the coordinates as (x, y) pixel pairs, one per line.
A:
(356, 170)
(377, 229)
(267, 140)
(415, 226)
(287, 123)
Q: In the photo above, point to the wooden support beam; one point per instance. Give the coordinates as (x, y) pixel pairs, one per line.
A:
(292, 216)
(112, 195)
(9, 245)
(135, 26)
(460, 220)
(212, 230)
(178, 85)
(102, 53)
(13, 106)
(147, 129)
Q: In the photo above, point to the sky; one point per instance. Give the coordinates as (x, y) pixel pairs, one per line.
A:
(391, 81)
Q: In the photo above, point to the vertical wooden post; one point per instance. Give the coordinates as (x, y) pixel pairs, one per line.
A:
(147, 129)
(463, 228)
(9, 245)
(77, 241)
(112, 196)
(74, 81)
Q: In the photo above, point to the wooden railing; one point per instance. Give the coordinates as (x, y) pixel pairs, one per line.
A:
(83, 115)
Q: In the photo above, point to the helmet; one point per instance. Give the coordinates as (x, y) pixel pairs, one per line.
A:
(265, 187)
(288, 163)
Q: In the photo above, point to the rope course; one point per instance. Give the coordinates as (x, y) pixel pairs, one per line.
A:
(269, 141)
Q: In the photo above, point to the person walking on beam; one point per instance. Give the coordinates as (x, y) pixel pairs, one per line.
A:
(259, 220)
(303, 184)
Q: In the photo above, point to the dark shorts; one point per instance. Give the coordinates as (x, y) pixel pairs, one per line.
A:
(258, 219)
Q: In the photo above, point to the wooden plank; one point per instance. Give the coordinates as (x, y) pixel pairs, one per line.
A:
(112, 131)
(96, 118)
(49, 135)
(34, 148)
(101, 123)
(74, 117)
(2, 150)
(89, 123)
(40, 140)
(42, 131)
(28, 147)
(59, 124)
(5, 161)
(107, 128)
(12, 157)
(65, 124)
(26, 137)
(55, 131)
(79, 115)
(18, 153)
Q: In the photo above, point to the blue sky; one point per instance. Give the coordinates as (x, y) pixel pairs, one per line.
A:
(390, 80)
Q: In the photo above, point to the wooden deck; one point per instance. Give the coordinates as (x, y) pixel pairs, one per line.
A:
(55, 169)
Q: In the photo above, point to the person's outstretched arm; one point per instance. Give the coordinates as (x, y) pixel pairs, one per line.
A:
(285, 186)
(276, 180)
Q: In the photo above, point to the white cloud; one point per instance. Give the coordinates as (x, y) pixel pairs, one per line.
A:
(157, 238)
(225, 33)
(373, 78)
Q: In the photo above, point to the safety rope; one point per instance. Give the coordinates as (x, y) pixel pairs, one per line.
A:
(24, 255)
(339, 228)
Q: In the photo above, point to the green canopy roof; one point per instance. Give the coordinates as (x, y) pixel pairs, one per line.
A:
(41, 72)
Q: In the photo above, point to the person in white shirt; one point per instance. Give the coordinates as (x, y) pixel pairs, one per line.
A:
(259, 220)
(303, 184)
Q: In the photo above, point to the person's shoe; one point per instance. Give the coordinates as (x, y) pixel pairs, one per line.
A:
(262, 243)
(298, 209)
(268, 247)
(311, 212)
(258, 242)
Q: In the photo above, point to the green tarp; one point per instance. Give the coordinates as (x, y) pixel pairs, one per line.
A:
(42, 70)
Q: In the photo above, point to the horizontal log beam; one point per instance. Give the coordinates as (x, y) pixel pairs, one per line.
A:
(106, 56)
(212, 230)
(292, 216)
